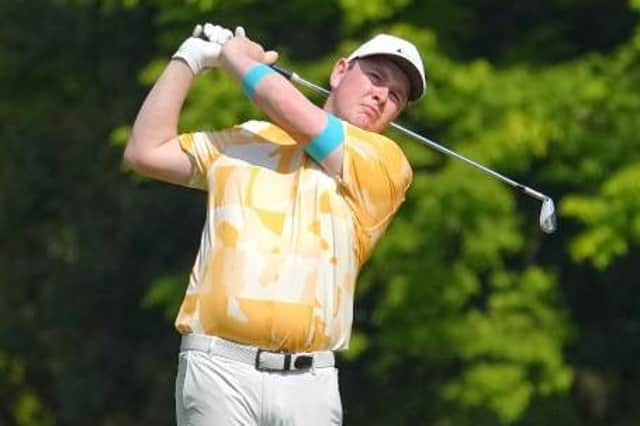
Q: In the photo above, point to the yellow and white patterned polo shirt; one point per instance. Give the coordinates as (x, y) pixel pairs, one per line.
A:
(283, 241)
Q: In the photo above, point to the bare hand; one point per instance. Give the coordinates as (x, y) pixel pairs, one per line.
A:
(240, 43)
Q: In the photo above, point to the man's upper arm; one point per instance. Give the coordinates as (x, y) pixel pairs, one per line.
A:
(375, 177)
(185, 159)
(167, 162)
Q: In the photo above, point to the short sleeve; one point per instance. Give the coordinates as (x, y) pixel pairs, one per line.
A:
(204, 148)
(375, 178)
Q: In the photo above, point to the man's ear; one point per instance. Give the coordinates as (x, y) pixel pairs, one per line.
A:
(339, 70)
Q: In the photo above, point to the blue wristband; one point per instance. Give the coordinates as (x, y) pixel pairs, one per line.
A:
(328, 140)
(253, 77)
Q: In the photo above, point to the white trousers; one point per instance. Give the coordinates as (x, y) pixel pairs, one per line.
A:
(212, 390)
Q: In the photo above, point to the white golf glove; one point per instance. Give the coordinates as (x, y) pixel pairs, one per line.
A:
(201, 51)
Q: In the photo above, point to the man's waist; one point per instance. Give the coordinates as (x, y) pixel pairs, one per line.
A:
(261, 359)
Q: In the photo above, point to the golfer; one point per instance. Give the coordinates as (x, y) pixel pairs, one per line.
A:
(295, 208)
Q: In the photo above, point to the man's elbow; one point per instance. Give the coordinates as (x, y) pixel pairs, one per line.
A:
(133, 157)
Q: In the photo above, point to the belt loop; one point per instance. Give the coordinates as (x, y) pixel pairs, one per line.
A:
(211, 344)
(257, 361)
(287, 362)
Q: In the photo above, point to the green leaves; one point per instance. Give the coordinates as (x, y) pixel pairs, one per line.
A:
(24, 405)
(166, 293)
(502, 388)
(612, 218)
(356, 13)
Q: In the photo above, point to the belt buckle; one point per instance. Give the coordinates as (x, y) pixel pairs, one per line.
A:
(301, 362)
(259, 367)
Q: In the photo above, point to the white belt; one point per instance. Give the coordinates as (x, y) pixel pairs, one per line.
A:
(263, 360)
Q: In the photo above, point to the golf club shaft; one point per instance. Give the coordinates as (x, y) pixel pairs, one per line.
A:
(295, 78)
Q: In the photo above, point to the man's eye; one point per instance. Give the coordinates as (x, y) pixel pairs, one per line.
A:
(375, 76)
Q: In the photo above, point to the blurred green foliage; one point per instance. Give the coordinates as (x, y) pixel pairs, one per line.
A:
(466, 314)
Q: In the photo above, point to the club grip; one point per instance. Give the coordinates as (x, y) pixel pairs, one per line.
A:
(283, 72)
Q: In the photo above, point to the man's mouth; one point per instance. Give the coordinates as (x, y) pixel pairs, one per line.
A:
(371, 112)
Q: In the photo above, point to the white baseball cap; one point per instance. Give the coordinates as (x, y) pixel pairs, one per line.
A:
(403, 53)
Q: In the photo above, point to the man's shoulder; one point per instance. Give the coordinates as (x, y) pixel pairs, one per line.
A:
(356, 135)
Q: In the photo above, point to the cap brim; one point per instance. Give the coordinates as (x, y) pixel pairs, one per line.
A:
(415, 79)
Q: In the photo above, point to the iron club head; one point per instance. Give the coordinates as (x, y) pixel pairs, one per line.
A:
(548, 221)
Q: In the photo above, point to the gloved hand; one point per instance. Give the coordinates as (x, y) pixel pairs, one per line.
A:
(201, 51)
(241, 43)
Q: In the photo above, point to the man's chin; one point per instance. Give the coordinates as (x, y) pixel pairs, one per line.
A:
(364, 123)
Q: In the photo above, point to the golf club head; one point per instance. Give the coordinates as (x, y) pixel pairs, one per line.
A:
(548, 221)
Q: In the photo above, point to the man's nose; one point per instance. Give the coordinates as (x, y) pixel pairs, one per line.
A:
(381, 93)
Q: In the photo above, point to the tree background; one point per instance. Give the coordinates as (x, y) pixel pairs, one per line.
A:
(466, 314)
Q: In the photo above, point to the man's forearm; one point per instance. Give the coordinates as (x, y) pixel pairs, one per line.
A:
(277, 97)
(157, 120)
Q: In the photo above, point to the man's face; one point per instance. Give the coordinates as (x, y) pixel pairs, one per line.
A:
(368, 92)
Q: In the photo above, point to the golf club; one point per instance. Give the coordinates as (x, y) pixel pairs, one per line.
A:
(548, 221)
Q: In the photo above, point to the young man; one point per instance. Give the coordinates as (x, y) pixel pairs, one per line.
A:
(295, 208)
